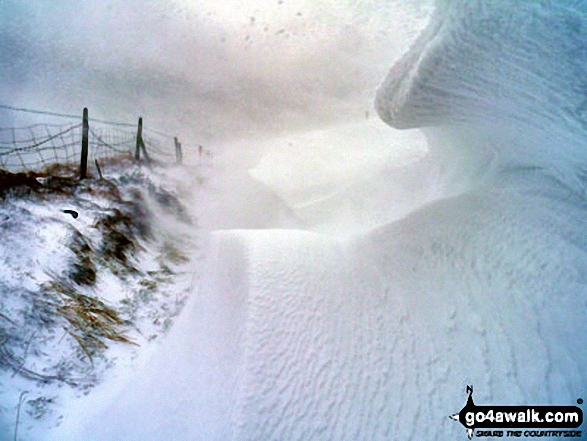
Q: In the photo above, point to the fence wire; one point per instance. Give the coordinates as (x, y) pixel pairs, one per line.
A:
(39, 146)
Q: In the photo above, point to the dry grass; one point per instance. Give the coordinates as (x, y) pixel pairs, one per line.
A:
(90, 322)
(12, 181)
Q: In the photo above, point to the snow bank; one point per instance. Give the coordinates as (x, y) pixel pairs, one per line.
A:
(73, 289)
(373, 334)
(511, 72)
(341, 179)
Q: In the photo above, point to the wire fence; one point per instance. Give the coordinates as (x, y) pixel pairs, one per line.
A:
(37, 147)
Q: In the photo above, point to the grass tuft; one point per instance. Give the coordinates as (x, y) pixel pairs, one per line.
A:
(90, 322)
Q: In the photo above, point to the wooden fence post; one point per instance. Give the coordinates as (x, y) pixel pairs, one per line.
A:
(141, 144)
(83, 166)
(139, 140)
(178, 152)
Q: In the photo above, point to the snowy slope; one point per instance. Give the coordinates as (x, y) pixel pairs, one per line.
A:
(75, 291)
(304, 330)
(295, 335)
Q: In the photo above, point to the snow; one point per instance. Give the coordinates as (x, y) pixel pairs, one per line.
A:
(296, 334)
(355, 278)
(339, 179)
(41, 247)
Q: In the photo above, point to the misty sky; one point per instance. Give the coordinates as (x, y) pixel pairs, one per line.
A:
(202, 69)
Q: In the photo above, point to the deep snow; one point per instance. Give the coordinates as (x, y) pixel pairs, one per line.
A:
(322, 315)
(301, 334)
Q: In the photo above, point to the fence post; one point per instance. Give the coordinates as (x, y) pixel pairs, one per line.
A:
(139, 140)
(178, 152)
(98, 168)
(83, 166)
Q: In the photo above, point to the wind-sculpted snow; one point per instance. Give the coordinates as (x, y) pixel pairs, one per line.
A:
(297, 335)
(376, 338)
(517, 68)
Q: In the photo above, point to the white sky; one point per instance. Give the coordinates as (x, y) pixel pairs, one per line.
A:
(204, 68)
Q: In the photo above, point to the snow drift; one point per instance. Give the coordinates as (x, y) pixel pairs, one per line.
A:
(299, 335)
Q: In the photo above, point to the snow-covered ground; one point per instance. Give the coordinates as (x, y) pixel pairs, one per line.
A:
(356, 278)
(297, 332)
(83, 294)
